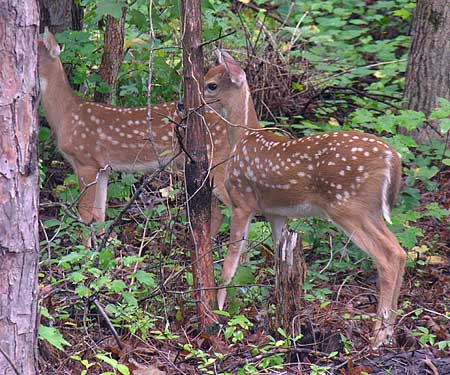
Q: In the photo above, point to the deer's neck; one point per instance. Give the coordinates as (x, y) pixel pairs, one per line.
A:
(57, 97)
(242, 117)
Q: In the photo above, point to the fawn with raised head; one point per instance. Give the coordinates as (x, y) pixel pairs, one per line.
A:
(99, 138)
(349, 177)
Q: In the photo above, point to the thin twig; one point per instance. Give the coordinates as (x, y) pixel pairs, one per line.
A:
(296, 34)
(420, 309)
(348, 70)
(109, 324)
(9, 361)
(135, 196)
(269, 12)
(162, 353)
(216, 39)
(181, 292)
(141, 248)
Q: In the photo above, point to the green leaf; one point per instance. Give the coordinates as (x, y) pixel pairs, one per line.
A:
(440, 113)
(445, 125)
(105, 257)
(109, 7)
(434, 210)
(410, 120)
(408, 238)
(240, 320)
(145, 278)
(386, 123)
(130, 299)
(100, 282)
(44, 312)
(82, 291)
(72, 257)
(298, 86)
(282, 332)
(403, 13)
(243, 276)
(443, 111)
(333, 354)
(129, 260)
(114, 364)
(426, 173)
(103, 87)
(362, 116)
(44, 134)
(117, 286)
(229, 332)
(52, 223)
(118, 190)
(76, 277)
(444, 103)
(222, 313)
(401, 144)
(443, 344)
(138, 19)
(52, 336)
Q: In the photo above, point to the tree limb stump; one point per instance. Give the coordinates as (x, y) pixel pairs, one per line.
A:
(290, 273)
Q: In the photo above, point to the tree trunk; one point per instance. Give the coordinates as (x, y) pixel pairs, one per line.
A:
(19, 192)
(428, 71)
(112, 56)
(197, 183)
(60, 15)
(290, 273)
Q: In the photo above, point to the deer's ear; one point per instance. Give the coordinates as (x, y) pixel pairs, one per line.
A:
(237, 75)
(51, 44)
(219, 57)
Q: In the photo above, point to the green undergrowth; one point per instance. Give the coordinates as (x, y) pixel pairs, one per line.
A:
(142, 278)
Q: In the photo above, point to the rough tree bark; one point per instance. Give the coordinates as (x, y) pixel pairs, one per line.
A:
(19, 192)
(60, 15)
(290, 273)
(197, 183)
(112, 55)
(428, 71)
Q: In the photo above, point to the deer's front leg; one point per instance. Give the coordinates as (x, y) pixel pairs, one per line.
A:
(216, 216)
(93, 185)
(87, 182)
(240, 221)
(99, 208)
(220, 194)
(276, 224)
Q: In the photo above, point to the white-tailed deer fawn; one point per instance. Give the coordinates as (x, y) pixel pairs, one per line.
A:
(348, 177)
(99, 138)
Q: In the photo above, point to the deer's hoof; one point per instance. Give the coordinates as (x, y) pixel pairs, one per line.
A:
(383, 335)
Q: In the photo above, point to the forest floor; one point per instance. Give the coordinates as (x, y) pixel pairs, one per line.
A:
(424, 320)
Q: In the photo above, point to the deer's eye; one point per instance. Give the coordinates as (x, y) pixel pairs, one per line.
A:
(211, 86)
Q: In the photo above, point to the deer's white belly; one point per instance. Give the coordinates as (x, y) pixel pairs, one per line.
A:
(137, 166)
(299, 210)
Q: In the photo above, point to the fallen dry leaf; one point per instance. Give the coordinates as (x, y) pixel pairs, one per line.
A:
(152, 370)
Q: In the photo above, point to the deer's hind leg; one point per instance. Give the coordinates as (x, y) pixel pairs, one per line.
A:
(371, 235)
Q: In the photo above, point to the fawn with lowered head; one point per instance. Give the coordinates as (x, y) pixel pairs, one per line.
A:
(349, 177)
(99, 138)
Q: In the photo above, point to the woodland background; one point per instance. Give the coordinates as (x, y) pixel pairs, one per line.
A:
(313, 67)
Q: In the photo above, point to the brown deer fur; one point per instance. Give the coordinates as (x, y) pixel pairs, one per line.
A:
(99, 138)
(348, 177)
